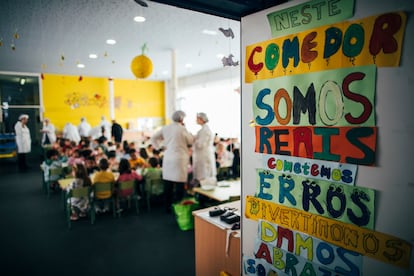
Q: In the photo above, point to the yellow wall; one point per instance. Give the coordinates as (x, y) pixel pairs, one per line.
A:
(135, 99)
(68, 98)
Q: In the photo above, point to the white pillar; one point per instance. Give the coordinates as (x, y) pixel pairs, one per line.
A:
(111, 99)
(171, 90)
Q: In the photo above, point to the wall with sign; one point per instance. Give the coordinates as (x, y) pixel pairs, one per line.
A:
(327, 125)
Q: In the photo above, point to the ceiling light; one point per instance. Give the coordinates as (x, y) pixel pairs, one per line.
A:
(220, 56)
(209, 32)
(111, 41)
(93, 56)
(139, 18)
(80, 65)
(188, 65)
(22, 81)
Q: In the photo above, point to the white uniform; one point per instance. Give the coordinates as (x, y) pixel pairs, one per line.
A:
(107, 125)
(204, 160)
(176, 140)
(23, 139)
(84, 128)
(71, 133)
(49, 130)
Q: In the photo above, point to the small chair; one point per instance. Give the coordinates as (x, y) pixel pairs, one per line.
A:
(127, 190)
(77, 193)
(102, 187)
(150, 184)
(54, 175)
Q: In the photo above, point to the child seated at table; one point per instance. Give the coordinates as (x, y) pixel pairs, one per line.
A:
(52, 162)
(79, 205)
(126, 174)
(154, 171)
(103, 176)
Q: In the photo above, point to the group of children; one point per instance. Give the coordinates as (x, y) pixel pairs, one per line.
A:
(97, 161)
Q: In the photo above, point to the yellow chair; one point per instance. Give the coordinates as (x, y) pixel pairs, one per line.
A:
(103, 191)
(84, 192)
(127, 190)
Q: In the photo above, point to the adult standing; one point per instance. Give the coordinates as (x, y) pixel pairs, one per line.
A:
(176, 140)
(23, 141)
(204, 160)
(107, 126)
(84, 128)
(71, 133)
(48, 133)
(116, 132)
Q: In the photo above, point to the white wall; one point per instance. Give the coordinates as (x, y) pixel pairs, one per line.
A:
(391, 177)
(213, 93)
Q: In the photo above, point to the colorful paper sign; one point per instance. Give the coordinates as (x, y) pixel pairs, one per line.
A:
(308, 15)
(287, 250)
(345, 203)
(370, 243)
(341, 97)
(355, 145)
(372, 40)
(323, 170)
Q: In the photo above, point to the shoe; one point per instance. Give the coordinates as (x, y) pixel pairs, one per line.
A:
(82, 215)
(74, 217)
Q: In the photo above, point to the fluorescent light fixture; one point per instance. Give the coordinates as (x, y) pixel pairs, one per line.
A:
(209, 32)
(139, 19)
(188, 65)
(93, 56)
(22, 81)
(220, 56)
(165, 72)
(80, 65)
(111, 41)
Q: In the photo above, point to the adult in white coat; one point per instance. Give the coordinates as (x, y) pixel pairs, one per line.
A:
(84, 128)
(204, 160)
(23, 141)
(107, 126)
(176, 141)
(71, 133)
(48, 133)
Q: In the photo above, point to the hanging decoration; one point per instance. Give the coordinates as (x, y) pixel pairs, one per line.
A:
(141, 66)
(228, 61)
(227, 32)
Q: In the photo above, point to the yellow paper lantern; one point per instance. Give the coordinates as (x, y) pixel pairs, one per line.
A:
(141, 66)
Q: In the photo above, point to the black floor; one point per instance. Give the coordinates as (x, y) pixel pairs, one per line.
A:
(35, 239)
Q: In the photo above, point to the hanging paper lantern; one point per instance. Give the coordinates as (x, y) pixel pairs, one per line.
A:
(141, 66)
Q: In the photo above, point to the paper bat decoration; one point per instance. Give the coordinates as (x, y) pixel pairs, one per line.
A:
(227, 33)
(228, 61)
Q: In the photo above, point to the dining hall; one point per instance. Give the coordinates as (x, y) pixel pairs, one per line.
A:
(223, 138)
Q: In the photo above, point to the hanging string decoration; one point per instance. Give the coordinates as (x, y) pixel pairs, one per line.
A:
(227, 32)
(141, 66)
(228, 61)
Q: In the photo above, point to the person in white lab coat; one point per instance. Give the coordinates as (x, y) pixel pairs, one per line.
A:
(176, 140)
(84, 128)
(107, 126)
(48, 133)
(23, 141)
(204, 160)
(71, 133)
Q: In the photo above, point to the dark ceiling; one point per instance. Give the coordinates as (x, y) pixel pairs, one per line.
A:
(232, 9)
